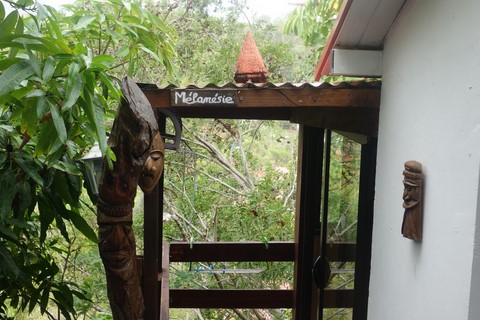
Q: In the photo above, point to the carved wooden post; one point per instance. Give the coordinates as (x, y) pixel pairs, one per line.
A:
(139, 151)
(412, 200)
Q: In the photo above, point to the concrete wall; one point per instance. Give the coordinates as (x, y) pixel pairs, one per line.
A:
(430, 112)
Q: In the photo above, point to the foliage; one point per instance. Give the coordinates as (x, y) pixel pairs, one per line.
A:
(313, 21)
(232, 181)
(56, 89)
(125, 34)
(210, 34)
(344, 188)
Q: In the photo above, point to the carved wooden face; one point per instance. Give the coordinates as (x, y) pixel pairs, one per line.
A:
(153, 168)
(411, 194)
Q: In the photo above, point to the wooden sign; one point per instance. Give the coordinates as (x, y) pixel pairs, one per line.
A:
(202, 97)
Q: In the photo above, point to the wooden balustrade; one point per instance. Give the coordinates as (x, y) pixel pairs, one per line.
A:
(241, 298)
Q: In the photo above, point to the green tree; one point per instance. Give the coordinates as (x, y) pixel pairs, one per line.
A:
(313, 21)
(56, 92)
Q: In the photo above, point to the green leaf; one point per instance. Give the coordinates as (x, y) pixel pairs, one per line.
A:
(7, 233)
(2, 11)
(103, 59)
(53, 23)
(73, 92)
(151, 53)
(46, 139)
(24, 201)
(35, 93)
(18, 31)
(44, 299)
(131, 66)
(14, 75)
(83, 226)
(122, 52)
(29, 170)
(29, 118)
(67, 168)
(112, 89)
(94, 113)
(83, 22)
(41, 107)
(42, 12)
(48, 69)
(60, 186)
(58, 121)
(7, 259)
(7, 25)
(7, 187)
(5, 63)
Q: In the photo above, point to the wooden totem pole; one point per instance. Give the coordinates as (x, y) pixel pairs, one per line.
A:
(139, 151)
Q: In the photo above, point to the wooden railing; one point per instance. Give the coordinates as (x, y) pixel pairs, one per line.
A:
(241, 298)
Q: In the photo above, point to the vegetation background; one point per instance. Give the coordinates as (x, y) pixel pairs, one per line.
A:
(231, 180)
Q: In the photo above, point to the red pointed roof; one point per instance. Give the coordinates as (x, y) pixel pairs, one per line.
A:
(250, 64)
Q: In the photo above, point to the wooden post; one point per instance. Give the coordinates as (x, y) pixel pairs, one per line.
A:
(307, 224)
(139, 154)
(364, 228)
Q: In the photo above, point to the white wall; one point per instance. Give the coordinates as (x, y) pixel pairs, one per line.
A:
(430, 112)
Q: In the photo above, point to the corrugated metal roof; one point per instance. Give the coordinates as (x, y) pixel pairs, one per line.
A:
(270, 85)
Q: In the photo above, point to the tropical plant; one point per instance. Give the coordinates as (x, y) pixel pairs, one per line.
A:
(312, 22)
(56, 91)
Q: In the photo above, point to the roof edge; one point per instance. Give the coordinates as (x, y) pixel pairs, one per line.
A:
(323, 66)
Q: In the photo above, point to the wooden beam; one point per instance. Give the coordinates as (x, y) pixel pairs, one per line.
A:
(250, 251)
(352, 108)
(363, 121)
(152, 251)
(165, 282)
(310, 97)
(260, 113)
(307, 218)
(364, 229)
(152, 244)
(279, 97)
(231, 251)
(250, 299)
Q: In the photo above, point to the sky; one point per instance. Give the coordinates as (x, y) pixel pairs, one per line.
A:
(256, 8)
(271, 8)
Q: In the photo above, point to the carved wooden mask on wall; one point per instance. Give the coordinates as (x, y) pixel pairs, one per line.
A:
(413, 200)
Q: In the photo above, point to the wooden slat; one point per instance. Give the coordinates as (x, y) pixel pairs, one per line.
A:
(231, 251)
(260, 113)
(164, 278)
(268, 299)
(198, 298)
(250, 251)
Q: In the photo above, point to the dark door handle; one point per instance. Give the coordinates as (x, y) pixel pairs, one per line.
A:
(321, 268)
